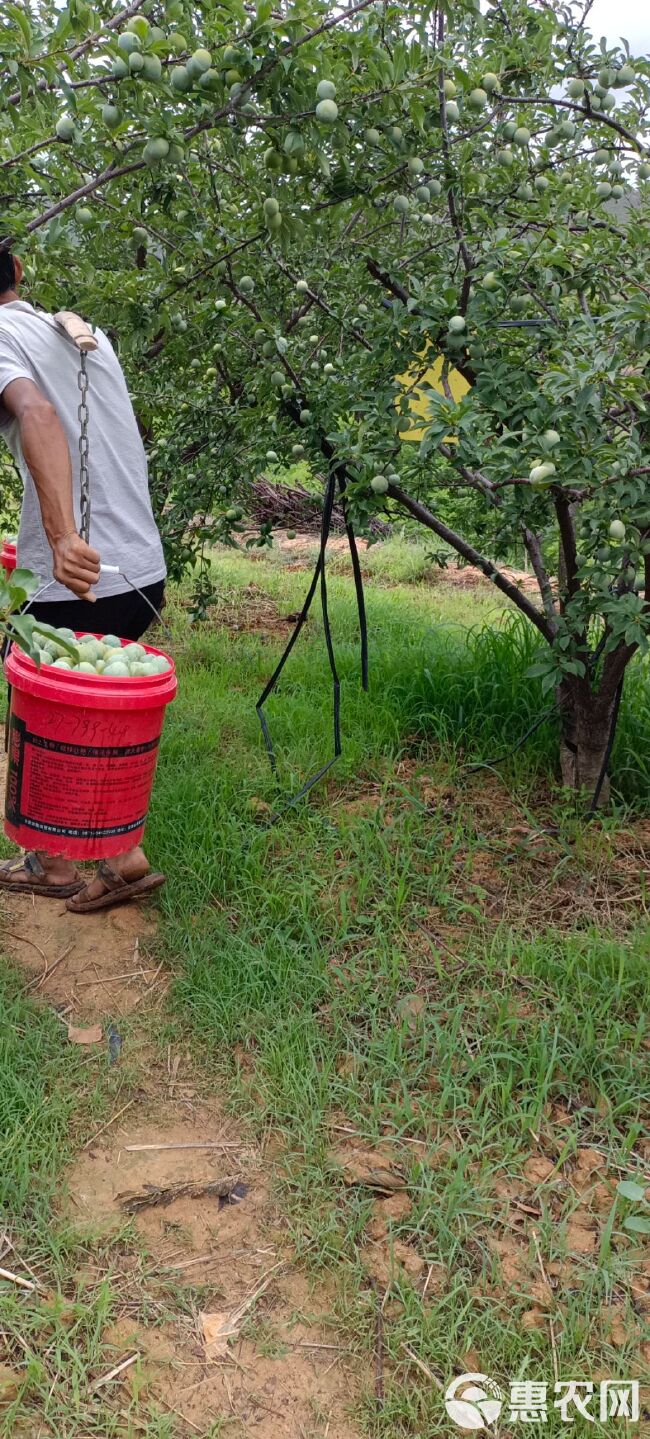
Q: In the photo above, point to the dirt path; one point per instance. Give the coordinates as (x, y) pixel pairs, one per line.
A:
(290, 1374)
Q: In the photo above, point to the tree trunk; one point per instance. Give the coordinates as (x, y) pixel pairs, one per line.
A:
(587, 720)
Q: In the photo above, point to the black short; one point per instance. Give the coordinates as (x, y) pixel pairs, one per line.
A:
(126, 615)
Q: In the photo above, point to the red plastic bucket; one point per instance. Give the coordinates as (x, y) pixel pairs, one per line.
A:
(82, 754)
(8, 556)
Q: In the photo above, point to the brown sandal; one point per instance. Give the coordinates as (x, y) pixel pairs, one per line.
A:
(37, 883)
(119, 890)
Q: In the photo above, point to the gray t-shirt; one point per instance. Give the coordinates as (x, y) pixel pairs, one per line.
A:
(122, 526)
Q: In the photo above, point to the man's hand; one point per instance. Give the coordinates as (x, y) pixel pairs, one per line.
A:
(75, 565)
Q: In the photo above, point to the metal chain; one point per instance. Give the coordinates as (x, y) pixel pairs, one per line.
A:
(84, 449)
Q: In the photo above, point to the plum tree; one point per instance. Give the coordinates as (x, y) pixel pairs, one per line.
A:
(523, 268)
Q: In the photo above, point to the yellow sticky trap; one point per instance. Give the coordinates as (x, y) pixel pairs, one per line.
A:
(417, 380)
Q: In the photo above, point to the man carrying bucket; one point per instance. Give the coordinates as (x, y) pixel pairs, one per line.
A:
(39, 420)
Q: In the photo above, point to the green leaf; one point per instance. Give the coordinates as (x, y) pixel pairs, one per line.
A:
(629, 1189)
(637, 1224)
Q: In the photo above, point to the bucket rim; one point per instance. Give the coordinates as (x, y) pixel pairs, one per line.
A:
(61, 686)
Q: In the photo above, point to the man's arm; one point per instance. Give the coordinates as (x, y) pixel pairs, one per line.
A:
(47, 456)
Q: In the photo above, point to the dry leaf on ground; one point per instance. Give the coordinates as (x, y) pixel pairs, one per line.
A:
(370, 1169)
(217, 1328)
(10, 1383)
(92, 1035)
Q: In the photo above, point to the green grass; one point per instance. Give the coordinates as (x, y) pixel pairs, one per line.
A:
(294, 944)
(52, 1096)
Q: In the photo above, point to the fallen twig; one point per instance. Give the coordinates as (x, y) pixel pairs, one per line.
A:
(16, 1279)
(24, 940)
(40, 979)
(424, 1367)
(133, 1201)
(113, 1373)
(203, 1144)
(108, 1123)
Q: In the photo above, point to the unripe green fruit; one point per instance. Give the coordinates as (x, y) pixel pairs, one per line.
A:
(542, 183)
(305, 417)
(518, 303)
(220, 303)
(490, 281)
(506, 159)
(328, 369)
(302, 287)
(490, 82)
(271, 206)
(65, 128)
(521, 136)
(415, 165)
(128, 42)
(83, 215)
(277, 378)
(372, 136)
(595, 101)
(139, 236)
(119, 68)
(247, 284)
(615, 168)
(193, 70)
(136, 62)
(423, 194)
(576, 89)
(230, 56)
(477, 99)
(111, 116)
(601, 157)
(509, 129)
(379, 484)
(274, 223)
(271, 457)
(401, 204)
(139, 25)
(327, 111)
(291, 534)
(152, 67)
(644, 171)
(155, 151)
(625, 76)
(209, 80)
(435, 188)
(542, 472)
(176, 43)
(298, 451)
(272, 159)
(202, 59)
(449, 89)
(524, 192)
(457, 324)
(325, 90)
(232, 77)
(566, 130)
(396, 134)
(608, 102)
(606, 77)
(618, 192)
(313, 339)
(617, 530)
(180, 79)
(550, 439)
(603, 190)
(453, 113)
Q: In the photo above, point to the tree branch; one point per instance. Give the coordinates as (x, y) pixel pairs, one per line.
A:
(534, 551)
(421, 513)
